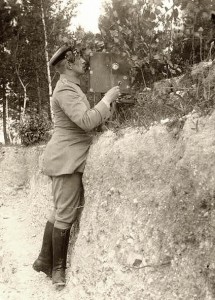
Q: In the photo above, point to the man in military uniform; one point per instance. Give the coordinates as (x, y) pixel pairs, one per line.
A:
(65, 156)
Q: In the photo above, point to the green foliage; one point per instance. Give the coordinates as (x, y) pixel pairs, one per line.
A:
(23, 47)
(7, 15)
(160, 42)
(23, 73)
(27, 48)
(34, 129)
(89, 40)
(137, 30)
(192, 42)
(171, 100)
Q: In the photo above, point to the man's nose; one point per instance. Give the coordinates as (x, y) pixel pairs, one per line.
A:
(83, 60)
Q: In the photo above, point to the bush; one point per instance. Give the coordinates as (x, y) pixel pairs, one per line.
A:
(171, 99)
(34, 129)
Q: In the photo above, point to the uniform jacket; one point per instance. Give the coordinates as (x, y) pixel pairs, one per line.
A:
(67, 150)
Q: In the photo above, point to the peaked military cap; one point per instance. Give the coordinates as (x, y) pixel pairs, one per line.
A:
(60, 54)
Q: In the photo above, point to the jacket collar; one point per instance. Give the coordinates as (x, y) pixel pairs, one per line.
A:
(75, 80)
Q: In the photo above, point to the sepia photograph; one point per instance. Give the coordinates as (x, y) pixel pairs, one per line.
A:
(107, 150)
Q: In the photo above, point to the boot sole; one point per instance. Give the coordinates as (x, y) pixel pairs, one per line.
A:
(39, 269)
(59, 286)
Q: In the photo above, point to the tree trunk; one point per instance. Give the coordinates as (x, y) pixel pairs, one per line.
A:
(6, 139)
(24, 92)
(46, 57)
(25, 99)
(39, 103)
(8, 122)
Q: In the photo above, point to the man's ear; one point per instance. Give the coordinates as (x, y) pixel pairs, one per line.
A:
(69, 65)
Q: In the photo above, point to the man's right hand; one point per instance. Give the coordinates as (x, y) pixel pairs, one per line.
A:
(112, 94)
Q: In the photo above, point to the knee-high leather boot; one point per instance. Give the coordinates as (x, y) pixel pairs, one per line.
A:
(60, 241)
(45, 259)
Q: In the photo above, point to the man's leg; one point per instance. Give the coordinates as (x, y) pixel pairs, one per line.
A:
(67, 194)
(44, 261)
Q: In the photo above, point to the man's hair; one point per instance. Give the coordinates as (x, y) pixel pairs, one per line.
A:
(61, 66)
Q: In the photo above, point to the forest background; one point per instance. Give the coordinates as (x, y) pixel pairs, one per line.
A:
(160, 43)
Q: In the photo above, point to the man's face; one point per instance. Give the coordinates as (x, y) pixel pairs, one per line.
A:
(79, 66)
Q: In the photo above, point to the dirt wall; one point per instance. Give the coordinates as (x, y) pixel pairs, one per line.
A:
(147, 231)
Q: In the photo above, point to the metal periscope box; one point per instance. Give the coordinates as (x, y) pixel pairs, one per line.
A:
(107, 70)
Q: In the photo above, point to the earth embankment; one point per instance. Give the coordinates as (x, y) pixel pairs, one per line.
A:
(147, 230)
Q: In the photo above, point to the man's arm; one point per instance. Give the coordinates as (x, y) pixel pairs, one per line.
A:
(73, 106)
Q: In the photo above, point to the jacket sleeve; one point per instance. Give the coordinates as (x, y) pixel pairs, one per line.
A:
(75, 108)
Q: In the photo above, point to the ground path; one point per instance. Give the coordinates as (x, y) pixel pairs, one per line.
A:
(19, 243)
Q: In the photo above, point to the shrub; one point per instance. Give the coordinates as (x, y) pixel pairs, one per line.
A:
(33, 129)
